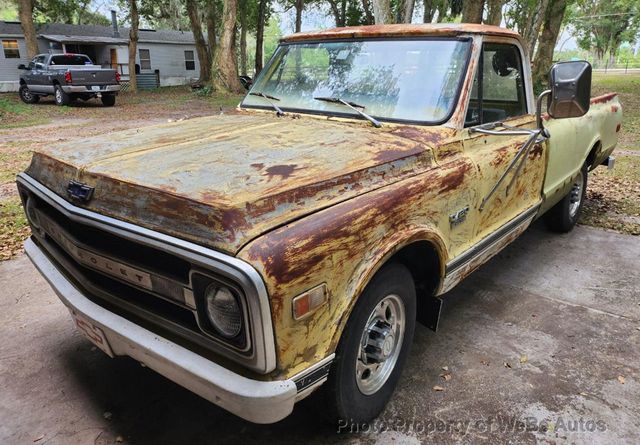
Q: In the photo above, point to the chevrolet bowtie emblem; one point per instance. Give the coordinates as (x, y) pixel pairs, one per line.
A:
(79, 191)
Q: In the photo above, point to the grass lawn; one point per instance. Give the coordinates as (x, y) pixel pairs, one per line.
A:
(613, 196)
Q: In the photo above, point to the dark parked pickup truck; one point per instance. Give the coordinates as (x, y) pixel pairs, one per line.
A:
(68, 77)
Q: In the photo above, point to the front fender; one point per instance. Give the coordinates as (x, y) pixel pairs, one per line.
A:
(343, 246)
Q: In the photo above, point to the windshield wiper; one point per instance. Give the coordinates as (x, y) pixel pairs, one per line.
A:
(354, 106)
(269, 99)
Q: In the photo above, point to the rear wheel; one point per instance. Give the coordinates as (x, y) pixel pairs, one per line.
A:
(373, 348)
(108, 100)
(27, 96)
(61, 97)
(564, 215)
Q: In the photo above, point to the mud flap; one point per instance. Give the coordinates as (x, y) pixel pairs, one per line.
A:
(429, 312)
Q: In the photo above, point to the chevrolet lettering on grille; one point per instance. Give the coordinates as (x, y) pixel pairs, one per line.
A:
(95, 261)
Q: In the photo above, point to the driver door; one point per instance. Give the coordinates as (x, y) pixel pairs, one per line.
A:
(499, 95)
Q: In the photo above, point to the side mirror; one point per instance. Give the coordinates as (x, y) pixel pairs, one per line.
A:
(570, 84)
(22, 66)
(246, 82)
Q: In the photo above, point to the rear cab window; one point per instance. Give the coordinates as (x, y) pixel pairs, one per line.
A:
(70, 59)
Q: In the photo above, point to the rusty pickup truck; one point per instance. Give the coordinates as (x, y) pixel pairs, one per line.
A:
(292, 244)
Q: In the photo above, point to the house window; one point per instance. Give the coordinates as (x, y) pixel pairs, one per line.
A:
(10, 48)
(145, 59)
(189, 61)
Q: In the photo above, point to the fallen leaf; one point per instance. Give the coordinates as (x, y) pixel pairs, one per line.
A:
(107, 415)
(119, 439)
(446, 377)
(584, 394)
(438, 388)
(507, 365)
(445, 368)
(39, 438)
(621, 379)
(524, 358)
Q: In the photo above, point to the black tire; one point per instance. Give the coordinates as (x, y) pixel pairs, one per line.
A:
(108, 100)
(60, 96)
(563, 217)
(344, 399)
(27, 96)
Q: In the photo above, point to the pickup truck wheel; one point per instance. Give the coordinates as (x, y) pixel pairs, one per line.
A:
(61, 97)
(27, 96)
(373, 348)
(108, 100)
(564, 215)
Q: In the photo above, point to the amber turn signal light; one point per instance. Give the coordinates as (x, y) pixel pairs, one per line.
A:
(309, 301)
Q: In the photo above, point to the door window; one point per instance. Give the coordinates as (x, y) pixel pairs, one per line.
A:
(498, 91)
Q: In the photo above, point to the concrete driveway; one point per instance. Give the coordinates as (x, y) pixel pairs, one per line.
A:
(541, 345)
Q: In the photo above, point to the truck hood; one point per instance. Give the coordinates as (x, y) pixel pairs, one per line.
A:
(223, 180)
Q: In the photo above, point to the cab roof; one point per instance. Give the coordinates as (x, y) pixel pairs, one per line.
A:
(402, 30)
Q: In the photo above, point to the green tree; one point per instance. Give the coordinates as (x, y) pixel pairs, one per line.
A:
(602, 25)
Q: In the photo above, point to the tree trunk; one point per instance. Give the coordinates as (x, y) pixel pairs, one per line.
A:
(262, 13)
(442, 11)
(133, 45)
(472, 11)
(494, 15)
(243, 38)
(382, 12)
(335, 10)
(201, 44)
(428, 13)
(25, 12)
(366, 5)
(211, 31)
(532, 31)
(548, 37)
(299, 7)
(406, 14)
(224, 69)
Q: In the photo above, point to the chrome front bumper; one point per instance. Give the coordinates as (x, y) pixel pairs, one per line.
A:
(83, 89)
(256, 401)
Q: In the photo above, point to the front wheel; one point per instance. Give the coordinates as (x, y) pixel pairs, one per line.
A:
(373, 348)
(27, 96)
(108, 100)
(61, 97)
(564, 215)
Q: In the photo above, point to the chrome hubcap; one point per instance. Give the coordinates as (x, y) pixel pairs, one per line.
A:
(58, 96)
(26, 94)
(380, 344)
(576, 196)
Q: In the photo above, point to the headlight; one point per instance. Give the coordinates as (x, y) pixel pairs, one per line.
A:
(223, 310)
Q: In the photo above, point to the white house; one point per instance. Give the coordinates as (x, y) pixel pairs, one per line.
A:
(171, 53)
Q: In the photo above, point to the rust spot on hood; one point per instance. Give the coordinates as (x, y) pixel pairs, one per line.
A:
(284, 171)
(392, 155)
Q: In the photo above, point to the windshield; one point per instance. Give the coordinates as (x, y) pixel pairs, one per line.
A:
(70, 59)
(397, 80)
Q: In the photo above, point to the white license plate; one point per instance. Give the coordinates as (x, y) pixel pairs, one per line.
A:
(95, 88)
(93, 333)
